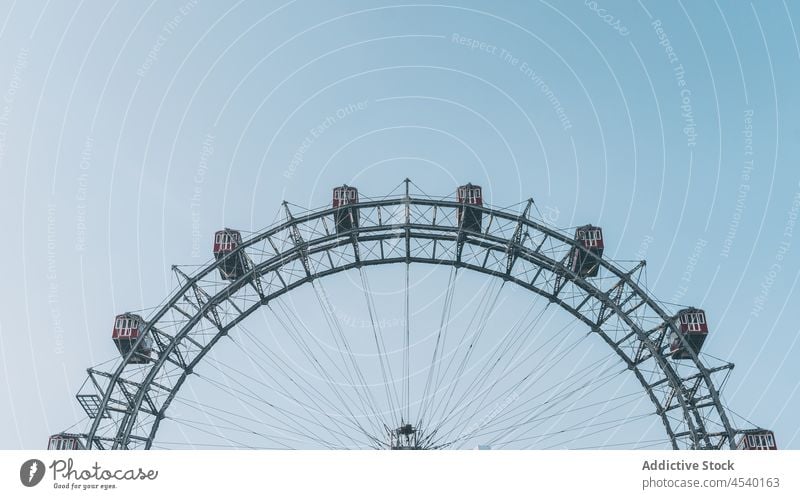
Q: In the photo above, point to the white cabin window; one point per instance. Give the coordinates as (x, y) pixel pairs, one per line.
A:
(469, 196)
(590, 237)
(227, 240)
(344, 195)
(693, 321)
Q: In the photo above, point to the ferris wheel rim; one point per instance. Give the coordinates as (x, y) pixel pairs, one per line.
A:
(408, 231)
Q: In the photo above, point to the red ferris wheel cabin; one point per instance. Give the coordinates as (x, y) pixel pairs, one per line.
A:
(757, 440)
(467, 196)
(692, 325)
(346, 217)
(225, 242)
(127, 329)
(65, 441)
(584, 259)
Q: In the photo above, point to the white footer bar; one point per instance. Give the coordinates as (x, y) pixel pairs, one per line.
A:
(399, 474)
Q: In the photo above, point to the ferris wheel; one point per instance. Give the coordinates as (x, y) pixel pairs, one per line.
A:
(410, 322)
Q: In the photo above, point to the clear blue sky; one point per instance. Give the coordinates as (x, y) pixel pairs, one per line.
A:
(131, 131)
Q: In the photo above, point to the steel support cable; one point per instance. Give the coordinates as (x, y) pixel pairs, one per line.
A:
(506, 343)
(336, 329)
(208, 409)
(380, 346)
(298, 339)
(289, 397)
(736, 414)
(510, 365)
(509, 340)
(441, 375)
(580, 426)
(573, 409)
(487, 316)
(600, 427)
(484, 301)
(236, 442)
(229, 425)
(597, 372)
(256, 396)
(206, 414)
(620, 424)
(523, 410)
(641, 431)
(513, 389)
(608, 407)
(652, 443)
(609, 403)
(553, 360)
(227, 389)
(551, 404)
(205, 407)
(407, 346)
(212, 410)
(440, 335)
(507, 413)
(570, 410)
(235, 426)
(488, 309)
(309, 390)
(286, 370)
(540, 418)
(373, 309)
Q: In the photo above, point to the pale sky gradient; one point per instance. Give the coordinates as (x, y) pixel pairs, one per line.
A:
(131, 131)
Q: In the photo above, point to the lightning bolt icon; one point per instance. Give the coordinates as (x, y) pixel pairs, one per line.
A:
(33, 470)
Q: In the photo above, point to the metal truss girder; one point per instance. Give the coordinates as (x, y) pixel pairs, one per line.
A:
(91, 405)
(415, 260)
(642, 353)
(516, 238)
(381, 233)
(400, 259)
(379, 262)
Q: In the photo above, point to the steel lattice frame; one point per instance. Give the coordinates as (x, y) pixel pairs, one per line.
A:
(127, 404)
